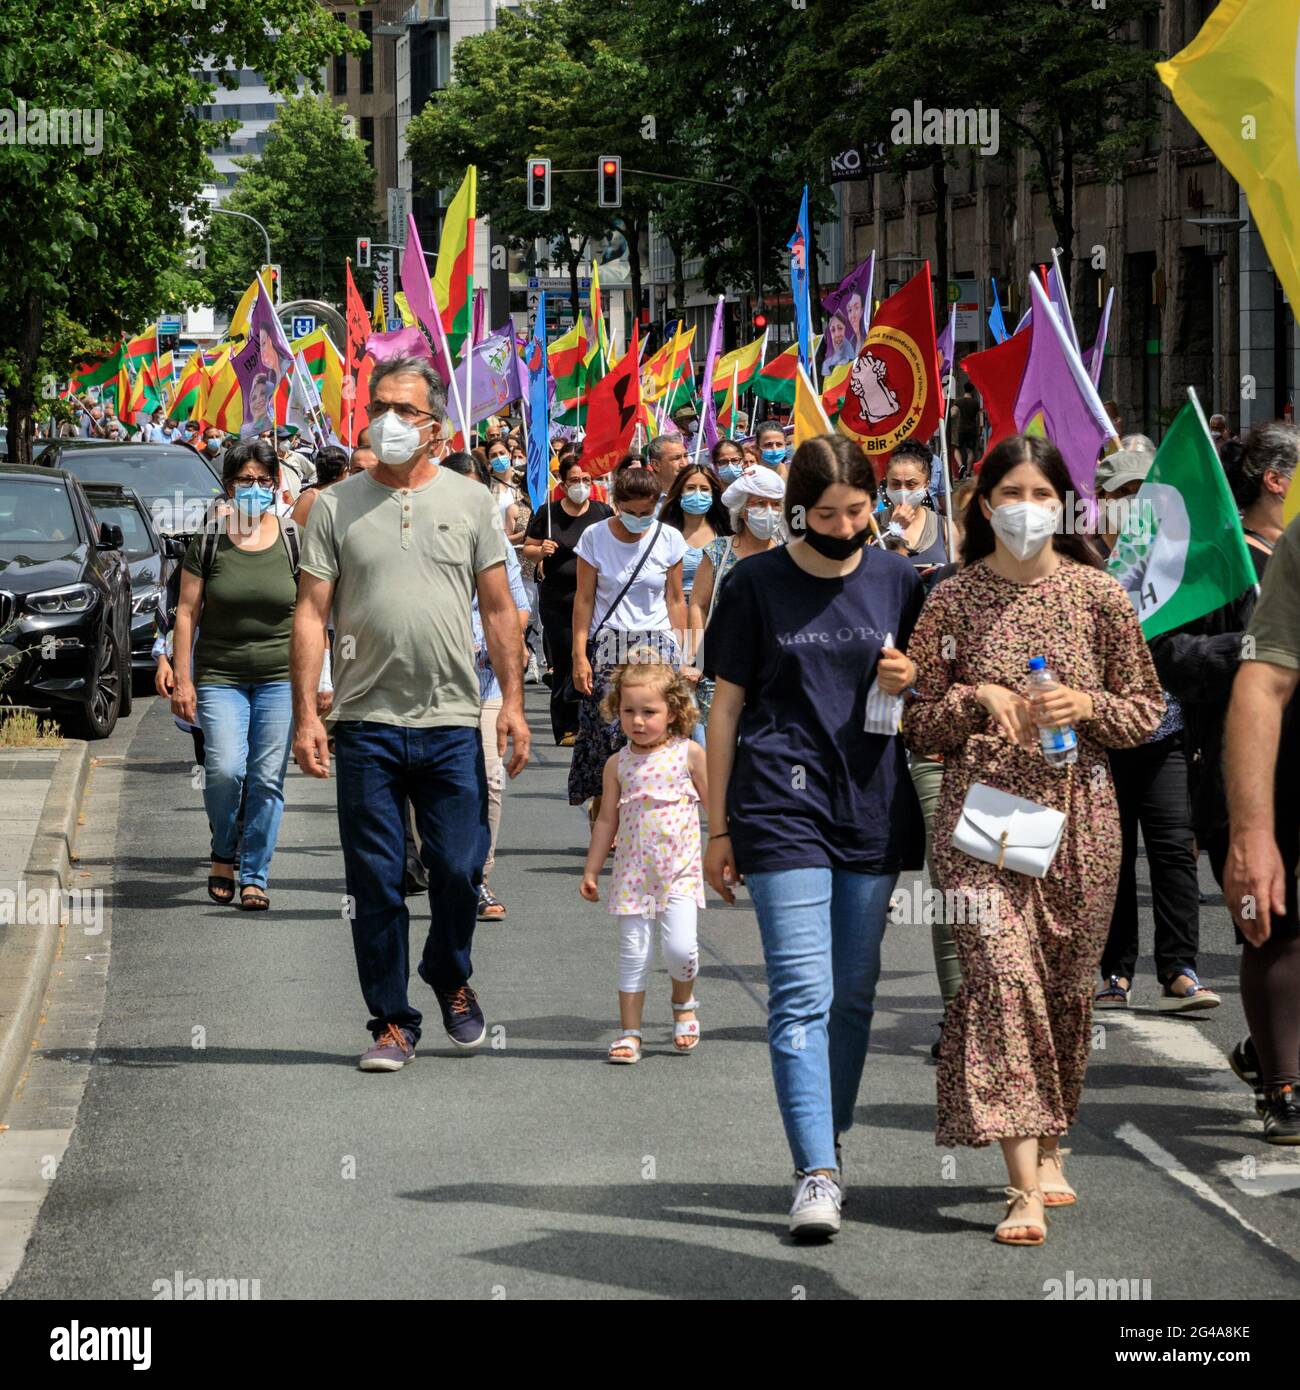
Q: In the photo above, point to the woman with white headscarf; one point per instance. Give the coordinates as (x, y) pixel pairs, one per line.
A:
(754, 502)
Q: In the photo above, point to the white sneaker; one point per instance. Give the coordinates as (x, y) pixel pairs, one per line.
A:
(816, 1209)
(533, 675)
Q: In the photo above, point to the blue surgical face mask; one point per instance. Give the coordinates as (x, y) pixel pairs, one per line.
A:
(729, 472)
(636, 524)
(697, 503)
(774, 458)
(501, 464)
(254, 499)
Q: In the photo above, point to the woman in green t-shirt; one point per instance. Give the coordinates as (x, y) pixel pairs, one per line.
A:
(238, 591)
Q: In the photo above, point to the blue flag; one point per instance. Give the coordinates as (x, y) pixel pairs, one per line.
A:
(539, 413)
(997, 325)
(799, 247)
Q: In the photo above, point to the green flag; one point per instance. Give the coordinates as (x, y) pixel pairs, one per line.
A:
(1181, 553)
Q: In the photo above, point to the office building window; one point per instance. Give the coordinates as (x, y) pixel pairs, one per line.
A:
(368, 135)
(341, 75)
(368, 57)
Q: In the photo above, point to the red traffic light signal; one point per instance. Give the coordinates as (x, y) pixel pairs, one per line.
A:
(609, 187)
(539, 185)
(363, 251)
(760, 321)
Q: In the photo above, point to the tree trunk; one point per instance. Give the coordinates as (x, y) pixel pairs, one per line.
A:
(22, 396)
(575, 296)
(679, 281)
(1066, 227)
(941, 242)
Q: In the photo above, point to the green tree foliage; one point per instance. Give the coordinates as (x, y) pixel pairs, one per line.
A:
(313, 189)
(96, 234)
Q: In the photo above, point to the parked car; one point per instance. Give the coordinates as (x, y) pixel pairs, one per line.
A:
(65, 603)
(175, 484)
(152, 560)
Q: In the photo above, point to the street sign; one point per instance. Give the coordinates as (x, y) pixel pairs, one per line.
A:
(556, 282)
(394, 322)
(169, 326)
(964, 295)
(383, 266)
(302, 325)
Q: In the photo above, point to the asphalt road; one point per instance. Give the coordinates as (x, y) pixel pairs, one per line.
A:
(225, 1132)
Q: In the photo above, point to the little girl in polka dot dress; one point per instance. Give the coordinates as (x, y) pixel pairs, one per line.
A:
(650, 802)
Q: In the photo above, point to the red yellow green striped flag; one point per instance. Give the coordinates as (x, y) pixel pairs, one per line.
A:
(453, 279)
(183, 400)
(667, 365)
(776, 381)
(101, 373)
(835, 387)
(739, 367)
(143, 347)
(566, 361)
(146, 394)
(326, 367)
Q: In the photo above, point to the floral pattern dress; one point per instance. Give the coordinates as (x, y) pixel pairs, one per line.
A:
(1016, 1038)
(658, 853)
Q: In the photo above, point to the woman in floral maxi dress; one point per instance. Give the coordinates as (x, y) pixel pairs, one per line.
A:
(1016, 1039)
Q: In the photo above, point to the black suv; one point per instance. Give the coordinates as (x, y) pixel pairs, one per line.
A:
(65, 603)
(175, 484)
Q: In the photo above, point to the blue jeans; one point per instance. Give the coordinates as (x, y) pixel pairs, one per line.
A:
(821, 931)
(247, 730)
(441, 772)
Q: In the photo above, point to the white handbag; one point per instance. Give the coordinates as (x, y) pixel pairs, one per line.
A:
(1008, 831)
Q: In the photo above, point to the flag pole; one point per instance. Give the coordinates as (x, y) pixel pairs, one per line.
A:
(447, 357)
(735, 382)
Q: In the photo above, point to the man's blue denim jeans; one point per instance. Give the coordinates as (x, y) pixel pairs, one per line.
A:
(821, 930)
(247, 730)
(441, 771)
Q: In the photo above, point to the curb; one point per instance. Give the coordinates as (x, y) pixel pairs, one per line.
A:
(27, 956)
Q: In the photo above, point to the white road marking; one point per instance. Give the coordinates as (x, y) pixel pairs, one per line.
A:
(1163, 1159)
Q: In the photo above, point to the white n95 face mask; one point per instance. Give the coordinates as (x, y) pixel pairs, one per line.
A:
(902, 497)
(393, 440)
(1024, 527)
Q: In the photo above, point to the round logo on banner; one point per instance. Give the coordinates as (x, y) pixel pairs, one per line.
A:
(887, 390)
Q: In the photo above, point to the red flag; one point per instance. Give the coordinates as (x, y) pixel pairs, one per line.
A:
(894, 391)
(359, 328)
(613, 404)
(997, 373)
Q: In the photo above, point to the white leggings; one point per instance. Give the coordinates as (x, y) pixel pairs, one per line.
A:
(677, 944)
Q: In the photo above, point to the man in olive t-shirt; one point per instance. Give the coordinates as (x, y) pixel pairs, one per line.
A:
(398, 554)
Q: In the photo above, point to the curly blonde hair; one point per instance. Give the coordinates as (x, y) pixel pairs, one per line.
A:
(645, 668)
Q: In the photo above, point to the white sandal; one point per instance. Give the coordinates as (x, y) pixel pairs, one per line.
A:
(688, 1029)
(629, 1039)
(1017, 1199)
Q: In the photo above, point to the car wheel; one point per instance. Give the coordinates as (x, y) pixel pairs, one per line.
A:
(98, 717)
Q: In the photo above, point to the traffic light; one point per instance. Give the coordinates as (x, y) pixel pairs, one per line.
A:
(609, 188)
(760, 321)
(539, 185)
(363, 252)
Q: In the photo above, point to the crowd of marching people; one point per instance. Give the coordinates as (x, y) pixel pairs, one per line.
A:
(787, 669)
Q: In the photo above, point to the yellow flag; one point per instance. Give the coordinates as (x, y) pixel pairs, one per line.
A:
(1291, 502)
(408, 318)
(377, 319)
(1236, 83)
(810, 419)
(239, 319)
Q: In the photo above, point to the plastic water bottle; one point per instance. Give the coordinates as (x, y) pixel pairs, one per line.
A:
(1059, 742)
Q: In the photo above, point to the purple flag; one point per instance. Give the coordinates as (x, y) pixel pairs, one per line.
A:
(1061, 301)
(419, 295)
(946, 342)
(1096, 355)
(1057, 397)
(709, 425)
(494, 381)
(260, 365)
(403, 342)
(851, 299)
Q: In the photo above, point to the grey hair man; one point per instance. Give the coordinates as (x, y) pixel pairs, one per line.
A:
(397, 554)
(666, 454)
